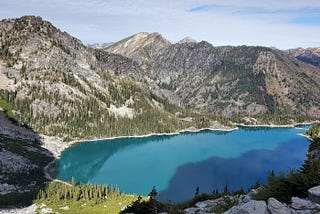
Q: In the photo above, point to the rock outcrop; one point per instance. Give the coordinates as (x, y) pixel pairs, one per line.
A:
(314, 194)
(258, 207)
(243, 204)
(276, 207)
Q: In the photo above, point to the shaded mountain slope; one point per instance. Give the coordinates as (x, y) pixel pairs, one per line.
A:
(309, 55)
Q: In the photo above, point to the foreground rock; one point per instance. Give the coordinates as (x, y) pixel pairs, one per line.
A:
(243, 204)
(258, 207)
(26, 210)
(314, 194)
(276, 207)
(209, 205)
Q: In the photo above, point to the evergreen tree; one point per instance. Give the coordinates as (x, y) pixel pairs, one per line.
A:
(197, 191)
(153, 193)
(225, 189)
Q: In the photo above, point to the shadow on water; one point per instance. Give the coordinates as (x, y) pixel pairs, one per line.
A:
(84, 159)
(215, 173)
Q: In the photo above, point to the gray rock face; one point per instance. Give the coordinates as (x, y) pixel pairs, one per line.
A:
(276, 207)
(300, 204)
(245, 205)
(207, 206)
(257, 207)
(314, 194)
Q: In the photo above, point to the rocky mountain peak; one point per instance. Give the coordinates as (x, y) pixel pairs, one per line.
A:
(130, 45)
(187, 40)
(141, 47)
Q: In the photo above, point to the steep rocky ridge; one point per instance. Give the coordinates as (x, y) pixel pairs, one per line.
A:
(309, 55)
(142, 48)
(226, 80)
(58, 86)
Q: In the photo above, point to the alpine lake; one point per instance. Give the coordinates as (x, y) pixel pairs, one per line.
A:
(177, 164)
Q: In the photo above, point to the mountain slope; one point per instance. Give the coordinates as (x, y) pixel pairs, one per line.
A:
(58, 86)
(230, 80)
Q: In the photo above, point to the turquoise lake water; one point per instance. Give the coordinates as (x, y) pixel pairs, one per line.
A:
(177, 164)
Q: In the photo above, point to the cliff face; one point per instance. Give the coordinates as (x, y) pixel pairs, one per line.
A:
(225, 80)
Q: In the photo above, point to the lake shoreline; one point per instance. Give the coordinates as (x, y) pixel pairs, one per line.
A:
(57, 145)
(58, 141)
(277, 126)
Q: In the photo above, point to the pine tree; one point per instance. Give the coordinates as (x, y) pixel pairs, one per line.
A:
(197, 191)
(153, 193)
(225, 189)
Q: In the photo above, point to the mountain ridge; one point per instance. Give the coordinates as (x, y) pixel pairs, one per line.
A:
(167, 70)
(53, 82)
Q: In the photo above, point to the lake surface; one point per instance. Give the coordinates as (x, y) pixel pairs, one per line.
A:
(177, 164)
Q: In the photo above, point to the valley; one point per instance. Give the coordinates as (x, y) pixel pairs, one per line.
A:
(55, 92)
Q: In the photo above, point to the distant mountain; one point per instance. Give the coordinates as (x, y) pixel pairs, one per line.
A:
(142, 48)
(100, 46)
(309, 55)
(187, 40)
(225, 80)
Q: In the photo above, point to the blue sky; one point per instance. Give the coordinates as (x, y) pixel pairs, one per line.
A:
(278, 23)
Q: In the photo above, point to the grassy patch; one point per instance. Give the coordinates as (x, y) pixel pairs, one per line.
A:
(7, 107)
(83, 198)
(109, 205)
